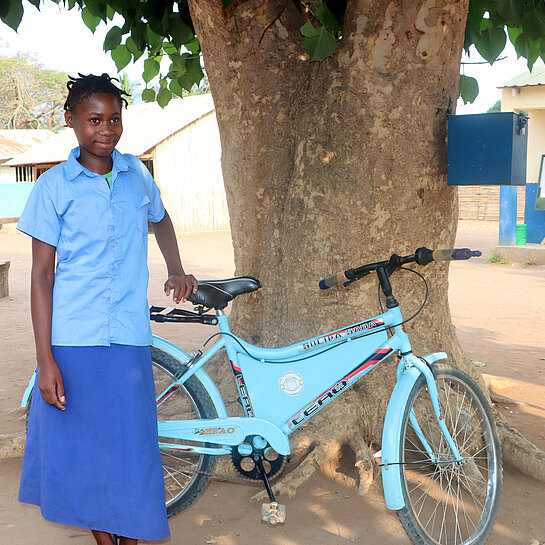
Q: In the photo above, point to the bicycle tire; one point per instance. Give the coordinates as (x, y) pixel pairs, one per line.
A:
(185, 473)
(448, 503)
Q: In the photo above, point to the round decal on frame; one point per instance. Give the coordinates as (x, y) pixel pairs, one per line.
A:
(291, 383)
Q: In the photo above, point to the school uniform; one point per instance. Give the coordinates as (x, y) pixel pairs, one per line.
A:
(97, 464)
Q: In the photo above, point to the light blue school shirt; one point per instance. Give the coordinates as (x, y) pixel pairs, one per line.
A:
(101, 237)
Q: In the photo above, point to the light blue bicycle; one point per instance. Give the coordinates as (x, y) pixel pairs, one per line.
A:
(441, 459)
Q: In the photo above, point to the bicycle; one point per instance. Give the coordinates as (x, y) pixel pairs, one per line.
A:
(440, 454)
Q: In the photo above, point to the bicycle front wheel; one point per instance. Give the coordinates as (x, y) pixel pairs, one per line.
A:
(447, 502)
(186, 473)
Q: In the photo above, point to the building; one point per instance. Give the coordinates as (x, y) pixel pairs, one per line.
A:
(181, 147)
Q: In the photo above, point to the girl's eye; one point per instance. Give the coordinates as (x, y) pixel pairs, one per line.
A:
(94, 120)
(116, 119)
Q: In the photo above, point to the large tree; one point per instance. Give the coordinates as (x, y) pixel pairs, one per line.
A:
(331, 164)
(31, 96)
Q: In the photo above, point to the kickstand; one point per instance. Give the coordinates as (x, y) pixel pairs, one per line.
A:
(273, 512)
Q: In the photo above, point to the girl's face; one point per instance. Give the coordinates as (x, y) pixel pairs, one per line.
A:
(96, 120)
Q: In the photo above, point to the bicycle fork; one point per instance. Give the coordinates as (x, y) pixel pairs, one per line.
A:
(409, 370)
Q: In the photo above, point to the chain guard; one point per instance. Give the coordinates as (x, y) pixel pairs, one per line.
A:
(272, 461)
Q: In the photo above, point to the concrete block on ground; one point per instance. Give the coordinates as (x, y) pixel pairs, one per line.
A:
(4, 273)
(523, 253)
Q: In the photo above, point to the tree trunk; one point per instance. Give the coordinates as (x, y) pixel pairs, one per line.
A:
(330, 165)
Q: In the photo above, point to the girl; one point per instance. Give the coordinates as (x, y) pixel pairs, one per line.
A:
(92, 458)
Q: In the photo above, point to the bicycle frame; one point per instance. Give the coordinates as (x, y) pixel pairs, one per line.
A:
(271, 382)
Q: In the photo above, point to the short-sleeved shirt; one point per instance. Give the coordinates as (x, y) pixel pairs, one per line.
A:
(101, 237)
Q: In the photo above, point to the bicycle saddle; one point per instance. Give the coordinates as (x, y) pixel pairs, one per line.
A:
(218, 293)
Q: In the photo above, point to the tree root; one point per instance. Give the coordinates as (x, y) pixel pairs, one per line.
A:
(518, 451)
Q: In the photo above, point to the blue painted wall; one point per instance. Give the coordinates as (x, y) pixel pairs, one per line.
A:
(13, 198)
(534, 219)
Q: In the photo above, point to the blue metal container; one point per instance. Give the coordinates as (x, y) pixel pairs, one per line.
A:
(487, 149)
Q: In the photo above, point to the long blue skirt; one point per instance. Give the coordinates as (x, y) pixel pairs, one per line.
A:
(97, 464)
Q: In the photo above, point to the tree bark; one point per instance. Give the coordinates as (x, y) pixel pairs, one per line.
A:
(330, 165)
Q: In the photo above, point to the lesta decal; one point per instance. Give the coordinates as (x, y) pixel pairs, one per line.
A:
(244, 397)
(214, 431)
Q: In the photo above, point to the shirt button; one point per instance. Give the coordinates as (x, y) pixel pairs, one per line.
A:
(111, 313)
(115, 277)
(111, 200)
(117, 241)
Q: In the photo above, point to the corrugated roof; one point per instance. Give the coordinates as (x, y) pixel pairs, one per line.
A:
(536, 77)
(16, 141)
(144, 126)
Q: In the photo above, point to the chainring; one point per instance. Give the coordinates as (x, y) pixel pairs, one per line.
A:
(245, 465)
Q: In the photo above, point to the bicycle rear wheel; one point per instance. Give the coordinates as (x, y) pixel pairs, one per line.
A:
(186, 473)
(447, 503)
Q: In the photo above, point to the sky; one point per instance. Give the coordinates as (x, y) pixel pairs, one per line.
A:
(59, 40)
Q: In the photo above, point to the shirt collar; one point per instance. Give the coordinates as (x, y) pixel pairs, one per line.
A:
(72, 168)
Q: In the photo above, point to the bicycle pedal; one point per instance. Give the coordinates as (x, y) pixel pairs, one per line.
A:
(273, 513)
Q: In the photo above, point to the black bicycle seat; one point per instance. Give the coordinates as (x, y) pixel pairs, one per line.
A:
(218, 293)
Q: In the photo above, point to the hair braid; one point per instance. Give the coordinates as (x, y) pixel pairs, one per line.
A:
(85, 86)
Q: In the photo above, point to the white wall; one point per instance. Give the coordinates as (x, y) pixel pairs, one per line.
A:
(188, 173)
(7, 175)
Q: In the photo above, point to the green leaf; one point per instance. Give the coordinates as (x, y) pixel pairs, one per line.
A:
(164, 96)
(138, 34)
(133, 48)
(112, 39)
(177, 69)
(319, 42)
(148, 95)
(35, 3)
(533, 24)
(14, 14)
(91, 21)
(151, 69)
(491, 44)
(121, 56)
(326, 17)
(468, 89)
(514, 33)
(155, 40)
(194, 46)
(476, 11)
(179, 31)
(176, 88)
(227, 3)
(529, 49)
(110, 12)
(473, 35)
(510, 10)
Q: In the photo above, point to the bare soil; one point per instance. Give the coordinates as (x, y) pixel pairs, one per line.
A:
(498, 313)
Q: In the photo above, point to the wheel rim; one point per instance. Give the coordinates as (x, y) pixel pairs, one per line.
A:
(180, 469)
(451, 503)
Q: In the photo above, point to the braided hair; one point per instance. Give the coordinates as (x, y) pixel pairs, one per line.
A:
(85, 86)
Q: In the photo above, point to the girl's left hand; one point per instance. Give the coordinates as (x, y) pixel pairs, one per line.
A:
(182, 285)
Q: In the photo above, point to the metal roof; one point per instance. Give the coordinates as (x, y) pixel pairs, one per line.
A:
(144, 126)
(535, 77)
(16, 141)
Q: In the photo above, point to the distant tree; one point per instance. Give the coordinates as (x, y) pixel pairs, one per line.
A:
(130, 87)
(30, 96)
(495, 108)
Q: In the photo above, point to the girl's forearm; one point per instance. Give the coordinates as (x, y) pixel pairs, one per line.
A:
(41, 298)
(166, 239)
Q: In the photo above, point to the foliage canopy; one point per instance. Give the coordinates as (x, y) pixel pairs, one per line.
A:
(32, 97)
(163, 28)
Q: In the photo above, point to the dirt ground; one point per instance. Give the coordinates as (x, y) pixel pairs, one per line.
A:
(498, 312)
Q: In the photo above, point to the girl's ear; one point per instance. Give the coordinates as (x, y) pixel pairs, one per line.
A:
(68, 118)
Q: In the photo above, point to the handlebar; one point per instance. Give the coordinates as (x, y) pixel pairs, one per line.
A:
(423, 256)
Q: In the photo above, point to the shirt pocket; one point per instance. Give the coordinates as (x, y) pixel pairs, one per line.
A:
(142, 215)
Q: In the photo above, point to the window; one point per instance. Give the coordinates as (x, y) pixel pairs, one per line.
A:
(25, 174)
(149, 165)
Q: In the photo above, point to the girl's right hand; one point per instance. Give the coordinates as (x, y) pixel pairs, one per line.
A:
(51, 384)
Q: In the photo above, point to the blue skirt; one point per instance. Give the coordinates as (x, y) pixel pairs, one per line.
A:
(97, 465)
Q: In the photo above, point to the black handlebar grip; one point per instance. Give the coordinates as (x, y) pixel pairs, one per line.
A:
(332, 281)
(453, 254)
